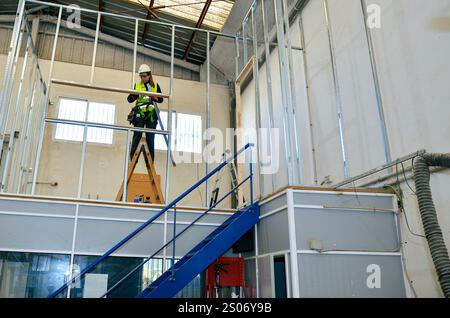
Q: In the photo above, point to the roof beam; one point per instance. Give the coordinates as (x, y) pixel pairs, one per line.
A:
(101, 7)
(197, 25)
(148, 17)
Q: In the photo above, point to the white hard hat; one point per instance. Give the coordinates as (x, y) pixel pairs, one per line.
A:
(144, 68)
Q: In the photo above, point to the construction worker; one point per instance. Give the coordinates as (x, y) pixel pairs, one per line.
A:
(144, 113)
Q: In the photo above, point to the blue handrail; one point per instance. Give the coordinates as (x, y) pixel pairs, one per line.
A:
(151, 220)
(173, 240)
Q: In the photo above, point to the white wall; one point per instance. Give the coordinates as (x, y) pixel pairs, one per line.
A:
(411, 49)
(103, 176)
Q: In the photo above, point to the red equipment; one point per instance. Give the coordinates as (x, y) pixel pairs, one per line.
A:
(225, 272)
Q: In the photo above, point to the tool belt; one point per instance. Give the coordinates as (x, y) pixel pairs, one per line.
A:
(143, 111)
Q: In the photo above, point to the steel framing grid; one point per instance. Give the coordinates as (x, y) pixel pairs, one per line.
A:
(43, 120)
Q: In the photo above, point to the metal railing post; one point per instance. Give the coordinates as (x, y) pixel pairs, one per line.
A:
(125, 168)
(83, 158)
(174, 240)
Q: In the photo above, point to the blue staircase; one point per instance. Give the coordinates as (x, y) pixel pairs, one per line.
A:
(202, 255)
(197, 259)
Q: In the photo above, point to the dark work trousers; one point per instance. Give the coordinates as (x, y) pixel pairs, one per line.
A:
(150, 137)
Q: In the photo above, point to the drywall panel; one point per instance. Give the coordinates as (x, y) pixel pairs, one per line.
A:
(265, 272)
(357, 92)
(346, 276)
(322, 94)
(344, 200)
(23, 232)
(273, 233)
(340, 229)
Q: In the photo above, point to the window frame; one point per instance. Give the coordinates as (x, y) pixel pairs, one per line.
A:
(98, 144)
(176, 127)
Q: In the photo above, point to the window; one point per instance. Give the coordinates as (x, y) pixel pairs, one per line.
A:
(187, 132)
(80, 110)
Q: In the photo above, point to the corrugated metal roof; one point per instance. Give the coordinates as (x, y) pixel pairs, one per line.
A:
(158, 37)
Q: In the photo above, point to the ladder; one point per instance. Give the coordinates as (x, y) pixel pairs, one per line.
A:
(156, 195)
(218, 181)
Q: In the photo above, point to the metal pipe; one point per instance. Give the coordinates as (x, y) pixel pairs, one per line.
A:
(106, 88)
(108, 126)
(125, 168)
(83, 159)
(284, 92)
(306, 77)
(337, 92)
(269, 85)
(94, 55)
(14, 123)
(380, 168)
(376, 81)
(47, 97)
(293, 94)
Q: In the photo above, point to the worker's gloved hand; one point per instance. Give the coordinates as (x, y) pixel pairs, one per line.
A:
(154, 98)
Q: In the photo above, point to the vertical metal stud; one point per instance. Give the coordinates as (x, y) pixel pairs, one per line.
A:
(47, 97)
(208, 84)
(376, 81)
(83, 159)
(94, 55)
(284, 88)
(269, 86)
(337, 91)
(15, 117)
(257, 99)
(133, 72)
(292, 93)
(308, 105)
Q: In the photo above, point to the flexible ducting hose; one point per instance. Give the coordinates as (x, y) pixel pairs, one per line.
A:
(428, 214)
